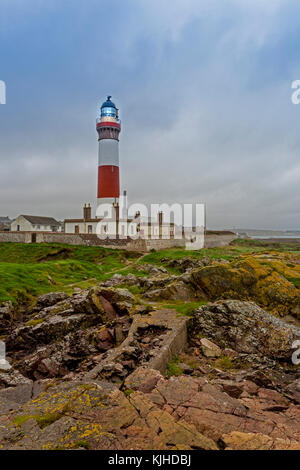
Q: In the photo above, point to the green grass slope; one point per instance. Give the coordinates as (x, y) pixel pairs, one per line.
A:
(30, 270)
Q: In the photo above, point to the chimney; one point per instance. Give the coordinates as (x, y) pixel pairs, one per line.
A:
(87, 212)
(160, 222)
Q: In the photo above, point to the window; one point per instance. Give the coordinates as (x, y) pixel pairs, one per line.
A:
(90, 229)
(18, 228)
(111, 112)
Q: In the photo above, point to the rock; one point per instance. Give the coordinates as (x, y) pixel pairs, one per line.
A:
(131, 279)
(117, 278)
(185, 368)
(246, 328)
(248, 278)
(108, 308)
(50, 299)
(153, 270)
(177, 290)
(104, 340)
(49, 367)
(20, 394)
(210, 349)
(162, 324)
(114, 422)
(12, 378)
(152, 283)
(271, 400)
(7, 316)
(230, 353)
(121, 295)
(293, 391)
(143, 379)
(186, 264)
(55, 328)
(233, 389)
(142, 309)
(119, 334)
(123, 308)
(237, 440)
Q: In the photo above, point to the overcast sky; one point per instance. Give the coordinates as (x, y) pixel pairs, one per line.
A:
(204, 91)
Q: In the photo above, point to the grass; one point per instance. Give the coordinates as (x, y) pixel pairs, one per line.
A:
(185, 308)
(294, 280)
(224, 363)
(173, 368)
(27, 271)
(42, 420)
(42, 252)
(83, 444)
(135, 290)
(229, 252)
(34, 322)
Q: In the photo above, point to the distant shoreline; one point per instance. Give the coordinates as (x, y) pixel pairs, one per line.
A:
(276, 239)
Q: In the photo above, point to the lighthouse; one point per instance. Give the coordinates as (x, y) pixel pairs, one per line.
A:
(108, 128)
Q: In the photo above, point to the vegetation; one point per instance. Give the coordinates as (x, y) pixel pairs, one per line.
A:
(83, 444)
(185, 308)
(173, 368)
(230, 252)
(227, 252)
(34, 322)
(42, 420)
(30, 270)
(224, 363)
(294, 280)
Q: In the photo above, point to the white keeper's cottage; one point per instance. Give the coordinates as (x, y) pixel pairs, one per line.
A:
(33, 223)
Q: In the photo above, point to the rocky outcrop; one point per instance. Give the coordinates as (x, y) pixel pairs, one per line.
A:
(96, 415)
(188, 264)
(105, 369)
(246, 328)
(248, 279)
(181, 413)
(152, 340)
(52, 298)
(7, 317)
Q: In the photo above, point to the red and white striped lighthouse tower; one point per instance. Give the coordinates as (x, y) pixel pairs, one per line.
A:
(108, 128)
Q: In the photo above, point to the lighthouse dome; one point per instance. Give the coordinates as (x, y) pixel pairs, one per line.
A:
(108, 108)
(108, 103)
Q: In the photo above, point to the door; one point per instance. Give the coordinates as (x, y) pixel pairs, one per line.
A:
(77, 229)
(33, 238)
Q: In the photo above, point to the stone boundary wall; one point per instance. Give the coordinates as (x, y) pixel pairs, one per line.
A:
(13, 237)
(215, 239)
(212, 239)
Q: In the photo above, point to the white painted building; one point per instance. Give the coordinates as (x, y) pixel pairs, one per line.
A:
(32, 223)
(134, 227)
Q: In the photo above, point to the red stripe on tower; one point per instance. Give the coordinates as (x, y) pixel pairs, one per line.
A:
(108, 182)
(108, 128)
